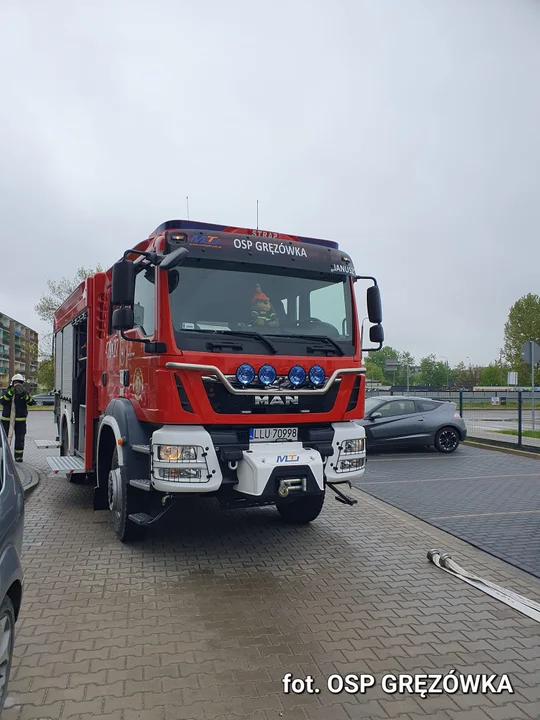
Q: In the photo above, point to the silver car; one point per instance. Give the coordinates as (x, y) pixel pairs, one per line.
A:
(11, 574)
(392, 420)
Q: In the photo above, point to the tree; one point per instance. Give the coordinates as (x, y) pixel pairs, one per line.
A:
(392, 377)
(523, 324)
(379, 358)
(461, 374)
(433, 372)
(405, 359)
(45, 374)
(60, 290)
(492, 375)
(30, 348)
(45, 346)
(373, 373)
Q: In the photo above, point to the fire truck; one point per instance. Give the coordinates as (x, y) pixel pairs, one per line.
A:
(217, 361)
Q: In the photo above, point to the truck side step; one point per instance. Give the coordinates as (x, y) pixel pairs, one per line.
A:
(143, 484)
(65, 465)
(47, 444)
(145, 519)
(141, 518)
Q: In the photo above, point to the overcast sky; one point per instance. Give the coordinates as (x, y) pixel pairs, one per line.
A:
(408, 130)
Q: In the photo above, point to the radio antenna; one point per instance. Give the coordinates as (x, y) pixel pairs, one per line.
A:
(187, 206)
(257, 214)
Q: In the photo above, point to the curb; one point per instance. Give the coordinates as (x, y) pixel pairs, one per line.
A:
(31, 479)
(500, 448)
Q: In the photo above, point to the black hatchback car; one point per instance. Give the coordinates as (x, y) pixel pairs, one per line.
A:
(391, 420)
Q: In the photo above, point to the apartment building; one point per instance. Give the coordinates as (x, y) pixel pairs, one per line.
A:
(18, 352)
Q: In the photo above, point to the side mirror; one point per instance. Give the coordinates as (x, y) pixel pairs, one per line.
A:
(376, 334)
(175, 259)
(123, 319)
(374, 305)
(375, 415)
(123, 283)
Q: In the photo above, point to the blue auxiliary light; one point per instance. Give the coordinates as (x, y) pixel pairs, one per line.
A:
(245, 374)
(297, 375)
(317, 375)
(267, 375)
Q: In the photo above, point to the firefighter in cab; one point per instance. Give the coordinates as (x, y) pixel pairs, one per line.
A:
(15, 401)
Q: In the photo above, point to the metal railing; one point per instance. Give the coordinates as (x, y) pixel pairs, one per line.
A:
(511, 419)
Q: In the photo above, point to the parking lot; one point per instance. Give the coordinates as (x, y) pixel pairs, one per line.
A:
(203, 619)
(487, 498)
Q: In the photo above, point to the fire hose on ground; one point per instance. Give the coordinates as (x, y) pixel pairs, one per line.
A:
(518, 602)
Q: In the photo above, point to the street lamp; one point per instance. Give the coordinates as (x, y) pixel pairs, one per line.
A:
(470, 369)
(447, 375)
(501, 365)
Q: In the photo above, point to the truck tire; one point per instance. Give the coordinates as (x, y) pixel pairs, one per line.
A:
(64, 440)
(302, 511)
(122, 502)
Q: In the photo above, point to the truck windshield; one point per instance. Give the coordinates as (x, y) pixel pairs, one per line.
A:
(261, 311)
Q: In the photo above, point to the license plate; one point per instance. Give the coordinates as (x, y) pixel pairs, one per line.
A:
(273, 434)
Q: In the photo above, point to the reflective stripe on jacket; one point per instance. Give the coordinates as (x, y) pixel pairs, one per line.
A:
(22, 401)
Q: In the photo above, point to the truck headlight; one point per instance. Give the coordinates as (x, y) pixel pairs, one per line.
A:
(351, 447)
(177, 453)
(179, 473)
(345, 466)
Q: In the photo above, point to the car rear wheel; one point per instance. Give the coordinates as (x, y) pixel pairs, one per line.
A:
(7, 627)
(447, 440)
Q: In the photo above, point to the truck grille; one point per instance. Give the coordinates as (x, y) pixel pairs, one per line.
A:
(224, 403)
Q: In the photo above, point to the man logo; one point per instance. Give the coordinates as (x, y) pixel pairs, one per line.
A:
(287, 458)
(276, 400)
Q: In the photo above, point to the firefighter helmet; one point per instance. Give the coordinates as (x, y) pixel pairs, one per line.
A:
(17, 378)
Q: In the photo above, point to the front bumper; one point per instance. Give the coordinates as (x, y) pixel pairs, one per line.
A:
(261, 471)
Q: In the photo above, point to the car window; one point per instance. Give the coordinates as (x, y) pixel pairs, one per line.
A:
(370, 404)
(426, 405)
(395, 408)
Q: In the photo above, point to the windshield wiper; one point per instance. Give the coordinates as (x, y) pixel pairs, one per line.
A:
(257, 336)
(320, 338)
(254, 335)
(323, 338)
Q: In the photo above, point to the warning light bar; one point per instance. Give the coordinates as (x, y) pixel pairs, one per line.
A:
(180, 225)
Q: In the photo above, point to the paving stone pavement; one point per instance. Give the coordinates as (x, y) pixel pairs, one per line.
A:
(204, 618)
(488, 498)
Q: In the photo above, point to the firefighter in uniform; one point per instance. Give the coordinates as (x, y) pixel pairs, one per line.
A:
(16, 395)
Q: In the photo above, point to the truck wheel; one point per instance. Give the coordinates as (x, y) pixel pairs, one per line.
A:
(122, 503)
(64, 440)
(303, 511)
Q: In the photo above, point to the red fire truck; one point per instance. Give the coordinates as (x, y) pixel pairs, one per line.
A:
(214, 360)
